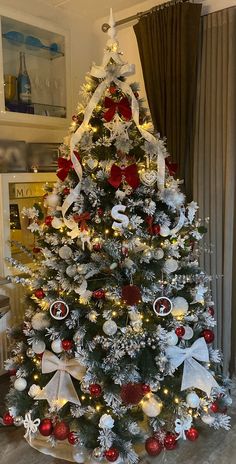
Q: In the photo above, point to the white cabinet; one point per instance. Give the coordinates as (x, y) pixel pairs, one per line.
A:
(46, 52)
(18, 191)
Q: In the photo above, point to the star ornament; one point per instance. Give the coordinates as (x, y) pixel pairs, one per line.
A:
(118, 127)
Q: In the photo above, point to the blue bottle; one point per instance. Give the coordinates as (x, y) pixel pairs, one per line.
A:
(23, 82)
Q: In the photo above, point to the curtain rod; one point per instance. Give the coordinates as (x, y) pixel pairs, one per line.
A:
(106, 26)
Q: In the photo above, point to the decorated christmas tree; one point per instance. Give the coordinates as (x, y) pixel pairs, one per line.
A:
(115, 356)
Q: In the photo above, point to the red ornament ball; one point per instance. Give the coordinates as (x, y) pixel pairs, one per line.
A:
(7, 419)
(39, 293)
(12, 372)
(145, 388)
(131, 294)
(99, 294)
(100, 212)
(208, 335)
(112, 89)
(156, 229)
(214, 407)
(180, 331)
(95, 390)
(192, 434)
(170, 441)
(153, 446)
(61, 430)
(48, 221)
(67, 345)
(97, 246)
(72, 439)
(211, 311)
(46, 427)
(66, 191)
(36, 250)
(131, 393)
(111, 454)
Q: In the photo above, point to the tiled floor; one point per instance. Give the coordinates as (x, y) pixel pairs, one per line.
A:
(212, 447)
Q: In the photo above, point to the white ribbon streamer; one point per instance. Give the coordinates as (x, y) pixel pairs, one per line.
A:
(180, 224)
(181, 425)
(60, 388)
(30, 425)
(194, 374)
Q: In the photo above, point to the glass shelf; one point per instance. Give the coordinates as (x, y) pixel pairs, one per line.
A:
(44, 109)
(39, 51)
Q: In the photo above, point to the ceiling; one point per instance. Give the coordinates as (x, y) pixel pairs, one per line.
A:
(92, 8)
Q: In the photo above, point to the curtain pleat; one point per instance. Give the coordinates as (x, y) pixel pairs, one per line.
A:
(214, 163)
(168, 43)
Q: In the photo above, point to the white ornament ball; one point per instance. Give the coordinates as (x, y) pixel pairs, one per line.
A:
(159, 253)
(180, 306)
(172, 338)
(57, 223)
(208, 419)
(52, 200)
(80, 455)
(20, 384)
(170, 265)
(38, 346)
(109, 327)
(193, 400)
(113, 266)
(65, 252)
(34, 390)
(188, 333)
(71, 271)
(151, 407)
(57, 346)
(40, 321)
(164, 231)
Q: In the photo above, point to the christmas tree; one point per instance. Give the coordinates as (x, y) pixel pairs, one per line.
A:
(116, 353)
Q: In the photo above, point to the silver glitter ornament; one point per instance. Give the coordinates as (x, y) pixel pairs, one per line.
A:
(18, 421)
(97, 454)
(30, 353)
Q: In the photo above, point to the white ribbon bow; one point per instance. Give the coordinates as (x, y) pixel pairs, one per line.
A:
(194, 374)
(60, 388)
(181, 425)
(30, 425)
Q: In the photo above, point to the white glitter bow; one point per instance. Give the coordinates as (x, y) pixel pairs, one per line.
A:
(181, 425)
(30, 425)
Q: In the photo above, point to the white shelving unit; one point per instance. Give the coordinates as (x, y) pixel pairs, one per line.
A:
(47, 54)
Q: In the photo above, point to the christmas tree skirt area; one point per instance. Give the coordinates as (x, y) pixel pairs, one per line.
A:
(63, 450)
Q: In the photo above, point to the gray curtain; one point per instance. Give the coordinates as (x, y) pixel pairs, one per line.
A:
(214, 166)
(168, 43)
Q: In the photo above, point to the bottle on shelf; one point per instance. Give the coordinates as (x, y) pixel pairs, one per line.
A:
(23, 82)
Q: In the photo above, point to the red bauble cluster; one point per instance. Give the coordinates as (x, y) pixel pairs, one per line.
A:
(95, 390)
(156, 229)
(208, 335)
(131, 393)
(192, 434)
(7, 419)
(97, 246)
(67, 345)
(170, 441)
(180, 331)
(153, 446)
(72, 439)
(48, 221)
(99, 294)
(39, 293)
(111, 454)
(61, 430)
(46, 427)
(131, 294)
